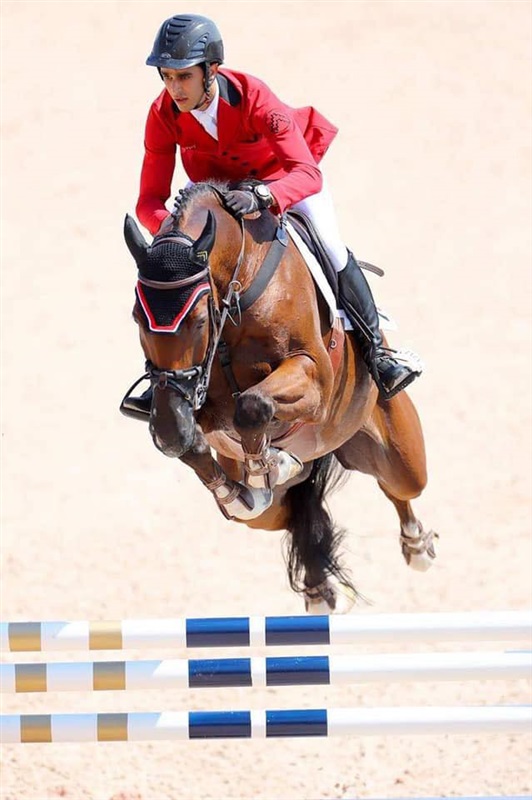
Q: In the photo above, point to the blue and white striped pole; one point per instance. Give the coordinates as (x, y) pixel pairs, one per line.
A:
(142, 726)
(278, 671)
(266, 631)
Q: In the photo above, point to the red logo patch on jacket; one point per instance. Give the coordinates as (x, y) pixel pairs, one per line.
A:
(278, 121)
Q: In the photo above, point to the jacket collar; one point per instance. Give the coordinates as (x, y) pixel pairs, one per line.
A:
(228, 90)
(229, 115)
(229, 109)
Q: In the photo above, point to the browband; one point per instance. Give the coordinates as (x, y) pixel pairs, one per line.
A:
(174, 284)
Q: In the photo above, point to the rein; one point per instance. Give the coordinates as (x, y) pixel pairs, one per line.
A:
(200, 374)
(193, 383)
(218, 321)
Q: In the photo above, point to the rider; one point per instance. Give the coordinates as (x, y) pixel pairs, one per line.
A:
(230, 126)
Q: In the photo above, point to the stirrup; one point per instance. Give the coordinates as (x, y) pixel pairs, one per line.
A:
(388, 394)
(405, 359)
(133, 407)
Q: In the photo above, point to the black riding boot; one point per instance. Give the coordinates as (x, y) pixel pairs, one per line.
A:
(390, 374)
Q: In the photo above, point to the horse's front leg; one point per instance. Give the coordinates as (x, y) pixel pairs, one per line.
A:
(291, 393)
(235, 500)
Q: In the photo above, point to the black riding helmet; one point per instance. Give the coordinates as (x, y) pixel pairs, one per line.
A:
(186, 40)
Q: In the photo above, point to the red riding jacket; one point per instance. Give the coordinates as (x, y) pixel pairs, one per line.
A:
(258, 136)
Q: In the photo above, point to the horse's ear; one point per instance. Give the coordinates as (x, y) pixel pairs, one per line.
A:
(134, 239)
(201, 249)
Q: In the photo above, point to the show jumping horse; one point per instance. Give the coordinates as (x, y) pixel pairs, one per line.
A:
(256, 391)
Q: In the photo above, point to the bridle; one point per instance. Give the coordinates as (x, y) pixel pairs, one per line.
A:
(192, 383)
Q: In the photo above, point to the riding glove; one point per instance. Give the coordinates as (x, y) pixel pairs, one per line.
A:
(241, 203)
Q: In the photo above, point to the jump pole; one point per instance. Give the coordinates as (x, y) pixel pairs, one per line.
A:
(265, 631)
(142, 726)
(257, 671)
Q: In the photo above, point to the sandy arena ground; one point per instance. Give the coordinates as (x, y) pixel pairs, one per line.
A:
(431, 175)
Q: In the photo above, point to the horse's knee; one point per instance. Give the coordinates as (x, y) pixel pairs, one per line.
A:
(421, 484)
(415, 487)
(253, 410)
(409, 484)
(417, 479)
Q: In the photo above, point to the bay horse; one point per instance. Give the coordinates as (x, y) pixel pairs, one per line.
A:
(266, 400)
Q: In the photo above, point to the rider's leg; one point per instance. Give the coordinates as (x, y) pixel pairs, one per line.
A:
(390, 373)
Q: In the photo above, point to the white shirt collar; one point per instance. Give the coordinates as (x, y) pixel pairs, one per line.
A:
(208, 118)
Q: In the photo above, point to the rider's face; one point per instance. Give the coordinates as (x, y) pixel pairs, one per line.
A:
(186, 86)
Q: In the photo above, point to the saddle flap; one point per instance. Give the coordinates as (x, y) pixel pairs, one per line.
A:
(312, 239)
(310, 245)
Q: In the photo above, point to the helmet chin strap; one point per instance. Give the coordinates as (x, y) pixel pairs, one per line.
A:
(207, 83)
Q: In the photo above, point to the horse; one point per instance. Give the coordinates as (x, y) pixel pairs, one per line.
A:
(261, 394)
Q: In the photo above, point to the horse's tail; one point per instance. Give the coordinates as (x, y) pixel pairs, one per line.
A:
(313, 540)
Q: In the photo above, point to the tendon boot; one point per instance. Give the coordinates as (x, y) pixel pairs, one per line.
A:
(389, 371)
(137, 407)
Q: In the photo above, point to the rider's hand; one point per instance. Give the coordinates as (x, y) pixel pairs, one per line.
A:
(241, 203)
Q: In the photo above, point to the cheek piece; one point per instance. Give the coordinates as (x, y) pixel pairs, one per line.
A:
(208, 80)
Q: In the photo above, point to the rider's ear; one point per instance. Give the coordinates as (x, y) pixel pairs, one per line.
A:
(135, 241)
(201, 248)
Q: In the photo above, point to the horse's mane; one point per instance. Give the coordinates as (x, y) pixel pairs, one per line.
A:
(186, 197)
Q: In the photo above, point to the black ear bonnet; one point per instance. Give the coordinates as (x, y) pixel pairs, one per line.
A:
(164, 262)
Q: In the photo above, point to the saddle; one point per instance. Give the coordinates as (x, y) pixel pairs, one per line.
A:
(312, 239)
(306, 230)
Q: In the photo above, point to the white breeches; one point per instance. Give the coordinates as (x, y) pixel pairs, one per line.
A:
(320, 210)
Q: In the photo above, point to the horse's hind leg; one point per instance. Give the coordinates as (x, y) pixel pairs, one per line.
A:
(391, 448)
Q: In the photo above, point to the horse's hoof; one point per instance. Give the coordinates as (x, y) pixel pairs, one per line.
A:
(330, 597)
(420, 562)
(418, 551)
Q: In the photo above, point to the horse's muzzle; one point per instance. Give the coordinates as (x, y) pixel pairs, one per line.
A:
(172, 422)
